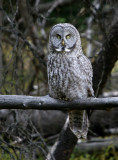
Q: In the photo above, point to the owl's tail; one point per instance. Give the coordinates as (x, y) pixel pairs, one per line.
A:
(79, 123)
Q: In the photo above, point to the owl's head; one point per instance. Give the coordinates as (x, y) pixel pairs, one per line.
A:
(64, 38)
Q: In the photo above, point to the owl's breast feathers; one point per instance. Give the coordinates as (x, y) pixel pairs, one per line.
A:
(69, 77)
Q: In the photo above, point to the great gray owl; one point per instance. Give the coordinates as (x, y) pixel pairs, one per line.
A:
(69, 73)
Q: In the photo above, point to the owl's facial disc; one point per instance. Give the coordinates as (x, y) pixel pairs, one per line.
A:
(63, 39)
(64, 44)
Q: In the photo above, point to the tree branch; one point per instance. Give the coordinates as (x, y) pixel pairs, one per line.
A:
(97, 145)
(48, 103)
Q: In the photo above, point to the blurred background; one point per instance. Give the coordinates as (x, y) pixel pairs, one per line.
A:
(24, 31)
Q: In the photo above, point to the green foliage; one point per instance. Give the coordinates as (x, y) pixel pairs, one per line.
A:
(8, 154)
(115, 69)
(67, 14)
(109, 153)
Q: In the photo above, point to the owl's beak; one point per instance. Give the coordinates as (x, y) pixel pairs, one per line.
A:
(63, 43)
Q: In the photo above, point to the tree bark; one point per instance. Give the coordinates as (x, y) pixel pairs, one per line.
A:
(106, 60)
(63, 146)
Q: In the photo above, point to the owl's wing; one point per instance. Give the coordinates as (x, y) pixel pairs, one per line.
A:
(88, 73)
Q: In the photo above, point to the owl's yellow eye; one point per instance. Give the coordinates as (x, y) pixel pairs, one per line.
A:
(68, 36)
(58, 36)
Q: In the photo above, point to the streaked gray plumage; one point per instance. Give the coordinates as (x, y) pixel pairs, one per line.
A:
(69, 73)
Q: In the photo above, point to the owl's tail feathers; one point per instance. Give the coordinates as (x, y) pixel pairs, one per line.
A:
(79, 123)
